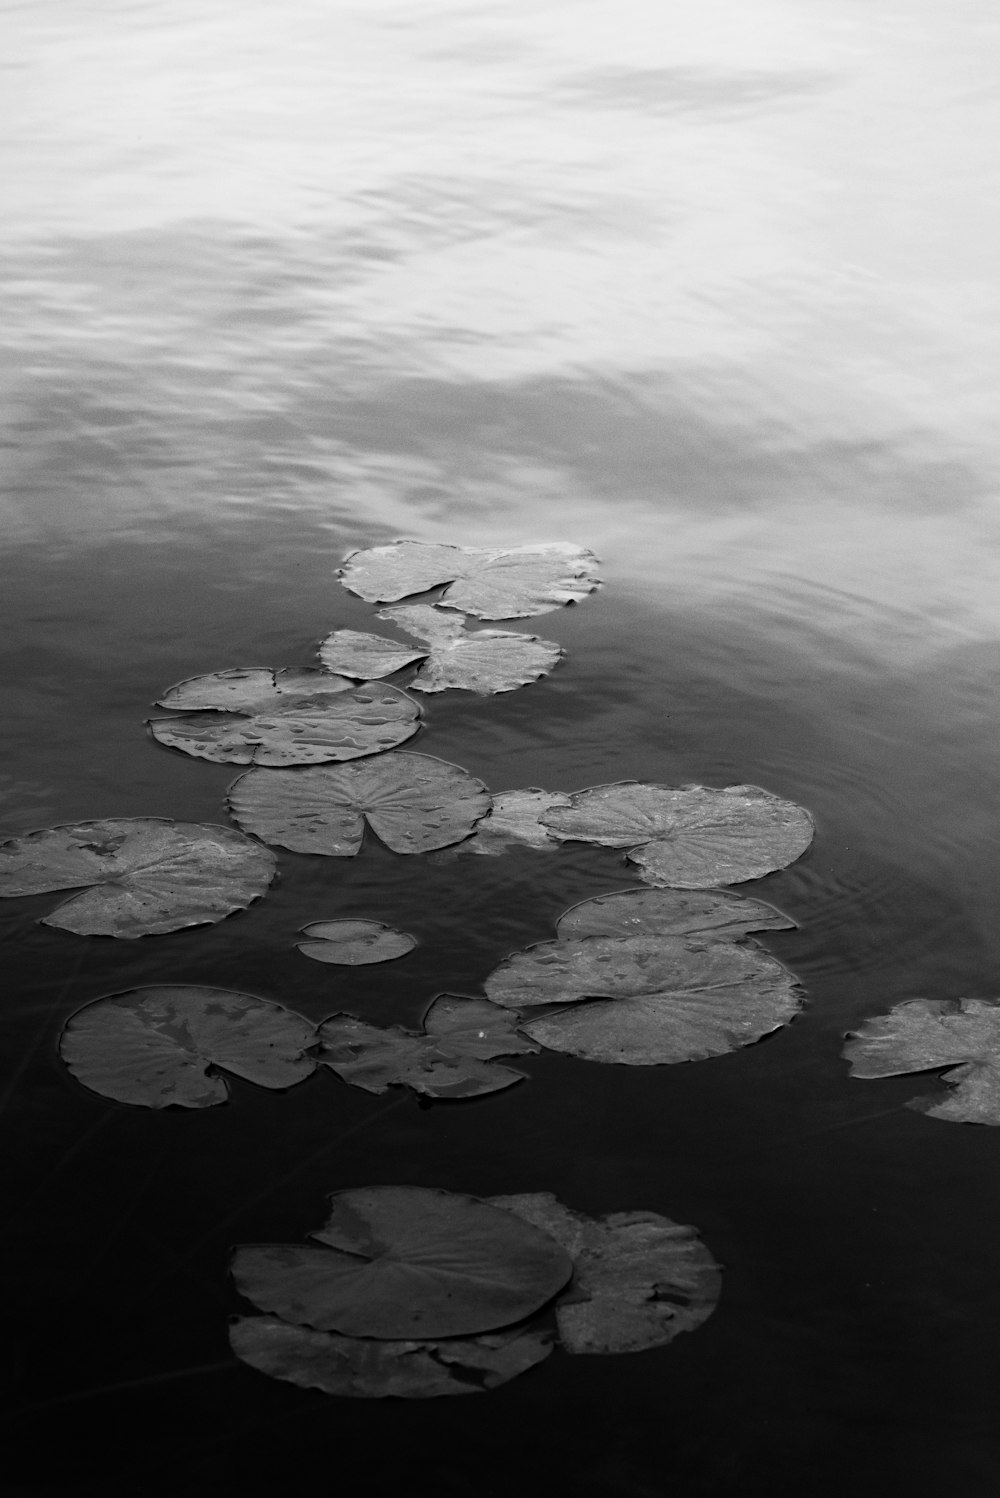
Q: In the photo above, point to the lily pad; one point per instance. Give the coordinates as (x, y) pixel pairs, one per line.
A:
(406, 1262)
(924, 1034)
(251, 689)
(366, 656)
(670, 912)
(492, 584)
(450, 1059)
(486, 661)
(341, 725)
(354, 943)
(639, 1279)
(413, 802)
(688, 837)
(140, 875)
(158, 1047)
(653, 1000)
(513, 822)
(363, 1368)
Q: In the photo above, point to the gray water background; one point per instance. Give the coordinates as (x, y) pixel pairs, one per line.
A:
(710, 289)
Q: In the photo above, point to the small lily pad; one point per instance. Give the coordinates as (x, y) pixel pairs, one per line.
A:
(487, 661)
(159, 1047)
(450, 1059)
(925, 1034)
(140, 875)
(354, 943)
(362, 1368)
(639, 1279)
(413, 802)
(251, 689)
(512, 822)
(368, 657)
(688, 837)
(404, 1262)
(670, 912)
(492, 584)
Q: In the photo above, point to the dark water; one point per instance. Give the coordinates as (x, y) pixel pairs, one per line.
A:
(712, 293)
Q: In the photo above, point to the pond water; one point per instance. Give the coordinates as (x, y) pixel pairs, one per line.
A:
(709, 289)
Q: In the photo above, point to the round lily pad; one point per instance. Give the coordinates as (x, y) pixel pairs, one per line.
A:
(354, 943)
(251, 689)
(670, 912)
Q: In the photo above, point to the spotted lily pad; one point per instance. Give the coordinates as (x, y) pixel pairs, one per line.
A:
(513, 822)
(159, 1047)
(362, 1368)
(492, 584)
(406, 1262)
(451, 1058)
(140, 875)
(354, 943)
(639, 1279)
(653, 1000)
(251, 689)
(413, 802)
(688, 837)
(925, 1034)
(670, 912)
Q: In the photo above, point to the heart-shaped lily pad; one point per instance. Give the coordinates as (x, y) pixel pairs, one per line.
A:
(688, 837)
(251, 689)
(450, 1059)
(140, 875)
(406, 1262)
(670, 912)
(492, 584)
(413, 802)
(354, 943)
(638, 1278)
(159, 1047)
(925, 1034)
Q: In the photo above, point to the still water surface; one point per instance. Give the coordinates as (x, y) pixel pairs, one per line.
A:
(710, 289)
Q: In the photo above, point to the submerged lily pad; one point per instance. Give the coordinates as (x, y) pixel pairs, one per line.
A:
(413, 802)
(140, 875)
(690, 837)
(251, 689)
(362, 1368)
(512, 822)
(924, 1034)
(492, 584)
(158, 1046)
(354, 943)
(406, 1262)
(653, 1000)
(638, 1278)
(450, 1059)
(670, 912)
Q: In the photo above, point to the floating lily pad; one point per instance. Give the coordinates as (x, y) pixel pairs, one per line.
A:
(653, 1000)
(513, 822)
(362, 1368)
(690, 837)
(158, 1047)
(450, 1059)
(486, 661)
(924, 1034)
(413, 802)
(251, 689)
(638, 1278)
(354, 943)
(669, 912)
(368, 657)
(140, 875)
(406, 1262)
(494, 584)
(326, 726)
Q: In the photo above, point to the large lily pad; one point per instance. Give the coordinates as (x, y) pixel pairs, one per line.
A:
(362, 1368)
(413, 802)
(450, 1059)
(140, 875)
(653, 999)
(354, 943)
(492, 584)
(251, 689)
(406, 1262)
(924, 1034)
(688, 837)
(670, 912)
(639, 1279)
(512, 822)
(158, 1047)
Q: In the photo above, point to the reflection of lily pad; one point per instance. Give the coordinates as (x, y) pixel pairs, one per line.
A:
(159, 1047)
(688, 837)
(493, 584)
(250, 689)
(450, 1059)
(413, 802)
(638, 1278)
(406, 1261)
(366, 1369)
(652, 999)
(512, 822)
(670, 912)
(354, 943)
(925, 1034)
(140, 875)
